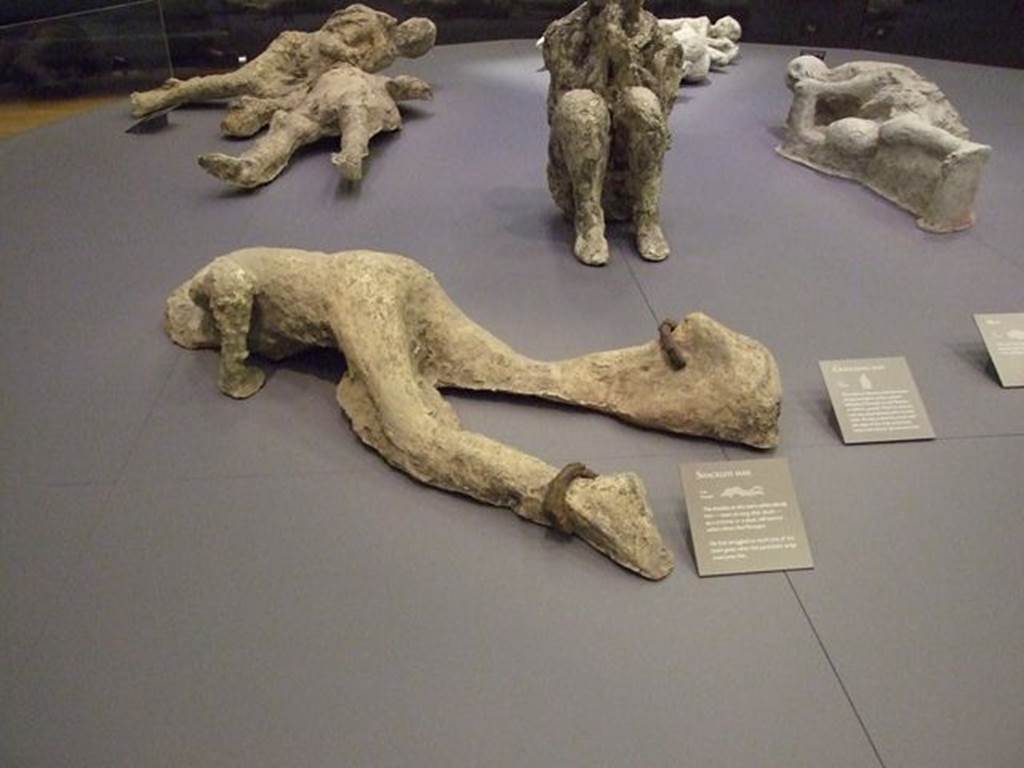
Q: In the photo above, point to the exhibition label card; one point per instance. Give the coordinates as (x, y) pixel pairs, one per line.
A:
(744, 517)
(876, 400)
(1004, 337)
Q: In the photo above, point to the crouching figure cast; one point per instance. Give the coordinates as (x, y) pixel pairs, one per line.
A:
(614, 76)
(404, 340)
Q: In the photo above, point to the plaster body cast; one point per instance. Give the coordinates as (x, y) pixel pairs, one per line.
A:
(358, 35)
(344, 101)
(706, 46)
(890, 129)
(404, 340)
(614, 77)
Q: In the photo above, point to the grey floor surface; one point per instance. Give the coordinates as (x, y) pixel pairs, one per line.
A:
(186, 580)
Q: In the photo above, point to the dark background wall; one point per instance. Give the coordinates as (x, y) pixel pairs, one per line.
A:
(55, 45)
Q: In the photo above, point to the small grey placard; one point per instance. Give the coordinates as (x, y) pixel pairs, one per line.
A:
(744, 517)
(1004, 337)
(876, 400)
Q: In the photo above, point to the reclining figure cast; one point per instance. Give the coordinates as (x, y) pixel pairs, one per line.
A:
(890, 129)
(404, 340)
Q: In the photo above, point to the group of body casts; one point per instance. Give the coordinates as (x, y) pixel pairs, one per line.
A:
(614, 74)
(305, 86)
(615, 71)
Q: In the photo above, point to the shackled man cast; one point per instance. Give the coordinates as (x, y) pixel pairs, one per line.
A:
(405, 340)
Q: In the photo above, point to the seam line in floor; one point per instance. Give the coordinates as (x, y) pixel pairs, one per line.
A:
(832, 666)
(18, 671)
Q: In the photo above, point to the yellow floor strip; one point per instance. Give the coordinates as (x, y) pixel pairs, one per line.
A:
(20, 115)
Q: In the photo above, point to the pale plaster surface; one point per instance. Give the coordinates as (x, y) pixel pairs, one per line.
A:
(890, 129)
(706, 46)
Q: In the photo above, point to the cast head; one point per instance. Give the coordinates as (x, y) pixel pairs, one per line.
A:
(728, 28)
(415, 36)
(412, 38)
(803, 68)
(357, 14)
(187, 316)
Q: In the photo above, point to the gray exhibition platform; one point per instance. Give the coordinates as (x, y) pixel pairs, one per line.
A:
(187, 580)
